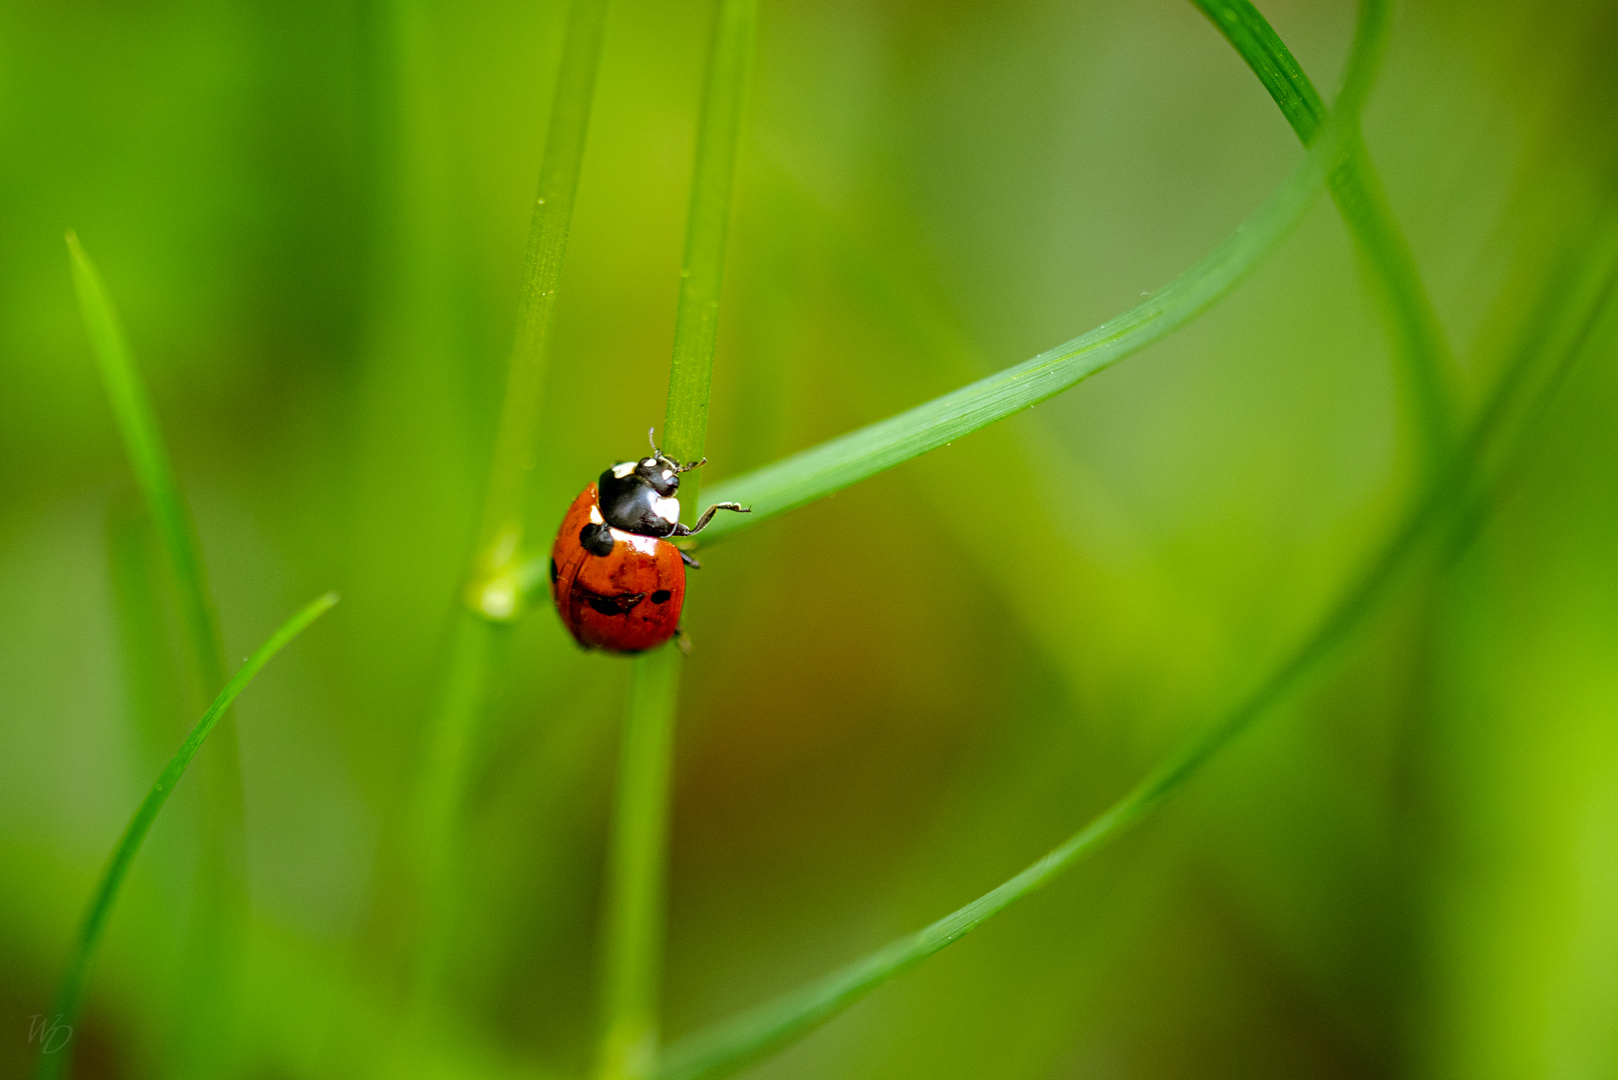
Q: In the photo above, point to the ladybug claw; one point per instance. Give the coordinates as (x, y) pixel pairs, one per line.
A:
(707, 516)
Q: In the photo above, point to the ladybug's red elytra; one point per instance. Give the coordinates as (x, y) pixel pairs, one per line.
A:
(617, 582)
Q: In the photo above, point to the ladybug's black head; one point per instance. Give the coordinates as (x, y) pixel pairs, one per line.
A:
(661, 474)
(638, 496)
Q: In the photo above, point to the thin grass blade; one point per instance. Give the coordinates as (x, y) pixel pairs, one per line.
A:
(1356, 188)
(632, 954)
(1438, 522)
(696, 324)
(492, 594)
(66, 1007)
(143, 441)
(208, 990)
(500, 535)
(828, 468)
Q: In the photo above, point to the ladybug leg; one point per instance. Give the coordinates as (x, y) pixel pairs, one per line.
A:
(707, 516)
(683, 640)
(689, 560)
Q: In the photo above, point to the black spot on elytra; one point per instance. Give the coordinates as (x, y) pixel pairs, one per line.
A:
(554, 572)
(596, 539)
(661, 596)
(615, 605)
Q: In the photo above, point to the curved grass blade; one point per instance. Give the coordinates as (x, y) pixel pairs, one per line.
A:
(66, 1007)
(632, 956)
(1357, 190)
(1439, 522)
(828, 468)
(208, 989)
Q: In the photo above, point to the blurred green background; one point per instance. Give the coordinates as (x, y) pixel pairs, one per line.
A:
(312, 217)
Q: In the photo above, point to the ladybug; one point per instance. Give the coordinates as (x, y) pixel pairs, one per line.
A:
(616, 580)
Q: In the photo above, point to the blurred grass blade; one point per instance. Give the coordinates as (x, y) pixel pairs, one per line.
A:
(137, 425)
(445, 761)
(66, 1006)
(1436, 520)
(1357, 190)
(208, 988)
(148, 677)
(632, 954)
(492, 594)
(501, 532)
(828, 468)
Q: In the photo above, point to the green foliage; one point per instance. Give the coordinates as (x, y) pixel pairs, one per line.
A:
(899, 697)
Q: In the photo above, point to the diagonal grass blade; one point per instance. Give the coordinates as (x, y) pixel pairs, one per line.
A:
(67, 1002)
(825, 469)
(1439, 522)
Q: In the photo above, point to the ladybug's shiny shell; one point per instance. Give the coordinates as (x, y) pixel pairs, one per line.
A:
(625, 597)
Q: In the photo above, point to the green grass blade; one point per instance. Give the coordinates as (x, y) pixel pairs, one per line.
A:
(444, 765)
(208, 989)
(1273, 63)
(491, 594)
(148, 676)
(828, 468)
(143, 441)
(66, 1006)
(501, 532)
(632, 954)
(1437, 520)
(1357, 190)
(696, 325)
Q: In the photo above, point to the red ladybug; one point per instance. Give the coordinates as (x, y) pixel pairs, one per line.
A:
(617, 582)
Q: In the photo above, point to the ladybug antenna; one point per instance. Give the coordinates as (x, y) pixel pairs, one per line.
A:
(651, 437)
(691, 465)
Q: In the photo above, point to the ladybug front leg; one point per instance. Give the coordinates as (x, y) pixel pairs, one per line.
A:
(707, 516)
(689, 559)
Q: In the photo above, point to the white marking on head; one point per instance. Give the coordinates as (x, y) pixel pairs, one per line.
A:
(623, 469)
(646, 545)
(667, 509)
(595, 515)
(667, 475)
